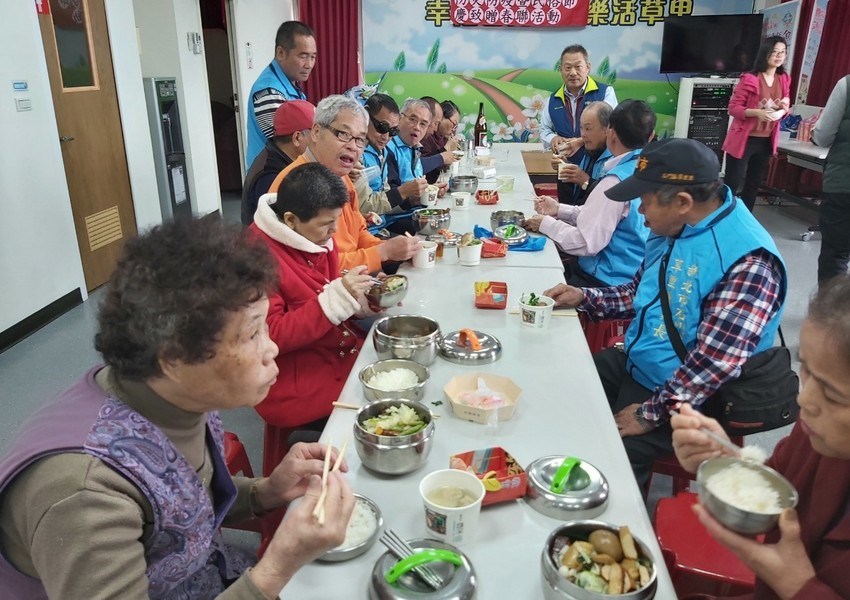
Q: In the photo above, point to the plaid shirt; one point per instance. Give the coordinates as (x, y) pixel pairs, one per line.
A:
(734, 316)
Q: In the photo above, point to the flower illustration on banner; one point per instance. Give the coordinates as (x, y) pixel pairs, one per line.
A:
(467, 121)
(532, 106)
(502, 132)
(530, 125)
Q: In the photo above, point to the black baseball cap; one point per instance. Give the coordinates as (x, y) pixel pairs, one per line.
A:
(673, 161)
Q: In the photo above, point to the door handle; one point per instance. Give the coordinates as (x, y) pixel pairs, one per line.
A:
(66, 138)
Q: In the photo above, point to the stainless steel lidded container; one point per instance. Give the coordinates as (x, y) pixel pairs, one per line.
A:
(393, 454)
(430, 221)
(452, 351)
(557, 587)
(588, 502)
(411, 337)
(460, 581)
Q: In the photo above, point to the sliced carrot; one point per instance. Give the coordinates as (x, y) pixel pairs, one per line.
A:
(468, 337)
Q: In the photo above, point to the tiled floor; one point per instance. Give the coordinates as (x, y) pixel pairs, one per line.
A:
(53, 357)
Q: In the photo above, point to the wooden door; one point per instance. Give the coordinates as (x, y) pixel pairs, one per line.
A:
(79, 64)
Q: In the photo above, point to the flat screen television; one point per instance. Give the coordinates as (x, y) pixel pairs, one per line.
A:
(710, 44)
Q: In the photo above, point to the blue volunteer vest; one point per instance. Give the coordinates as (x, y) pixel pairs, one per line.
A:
(598, 171)
(371, 158)
(696, 262)
(618, 262)
(562, 119)
(271, 77)
(405, 157)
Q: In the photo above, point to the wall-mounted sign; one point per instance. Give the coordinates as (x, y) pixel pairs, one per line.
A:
(520, 13)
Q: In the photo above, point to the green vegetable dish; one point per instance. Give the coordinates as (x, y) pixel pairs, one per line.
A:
(511, 231)
(533, 299)
(396, 420)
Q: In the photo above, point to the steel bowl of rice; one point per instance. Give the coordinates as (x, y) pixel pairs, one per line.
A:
(745, 496)
(394, 378)
(363, 529)
(393, 437)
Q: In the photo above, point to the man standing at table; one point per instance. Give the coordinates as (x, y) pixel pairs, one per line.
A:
(607, 237)
(724, 281)
(833, 129)
(561, 116)
(294, 59)
(337, 140)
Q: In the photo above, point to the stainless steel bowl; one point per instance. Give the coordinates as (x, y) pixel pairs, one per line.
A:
(585, 503)
(735, 518)
(556, 587)
(379, 296)
(506, 217)
(410, 337)
(429, 221)
(388, 454)
(460, 581)
(344, 553)
(463, 183)
(520, 236)
(417, 392)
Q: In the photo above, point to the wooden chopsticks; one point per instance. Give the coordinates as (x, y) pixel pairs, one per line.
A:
(319, 511)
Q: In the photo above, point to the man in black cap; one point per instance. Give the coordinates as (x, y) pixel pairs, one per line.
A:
(711, 272)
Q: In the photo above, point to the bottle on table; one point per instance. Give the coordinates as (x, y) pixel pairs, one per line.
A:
(480, 130)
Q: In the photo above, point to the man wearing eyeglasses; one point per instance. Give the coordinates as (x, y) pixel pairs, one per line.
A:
(383, 125)
(337, 140)
(404, 164)
(560, 123)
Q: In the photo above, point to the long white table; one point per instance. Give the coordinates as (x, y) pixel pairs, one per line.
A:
(562, 410)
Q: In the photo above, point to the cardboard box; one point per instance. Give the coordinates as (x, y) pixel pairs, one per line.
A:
(512, 478)
(491, 294)
(456, 387)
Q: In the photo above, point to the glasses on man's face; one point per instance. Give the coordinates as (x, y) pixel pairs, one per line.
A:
(383, 127)
(345, 137)
(416, 122)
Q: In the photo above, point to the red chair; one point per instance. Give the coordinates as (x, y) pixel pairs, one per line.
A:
(235, 455)
(669, 465)
(546, 189)
(697, 563)
(602, 334)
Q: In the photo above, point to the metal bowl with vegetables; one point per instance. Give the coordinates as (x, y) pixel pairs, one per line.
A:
(393, 436)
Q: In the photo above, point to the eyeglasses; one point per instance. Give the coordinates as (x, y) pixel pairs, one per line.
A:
(383, 127)
(345, 137)
(416, 121)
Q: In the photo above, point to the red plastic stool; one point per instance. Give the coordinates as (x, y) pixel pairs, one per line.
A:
(669, 465)
(700, 565)
(546, 189)
(235, 456)
(602, 334)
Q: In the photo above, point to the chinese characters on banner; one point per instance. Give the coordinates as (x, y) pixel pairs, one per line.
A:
(554, 13)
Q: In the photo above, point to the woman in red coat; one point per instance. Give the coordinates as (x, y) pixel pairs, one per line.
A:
(311, 312)
(807, 557)
(760, 99)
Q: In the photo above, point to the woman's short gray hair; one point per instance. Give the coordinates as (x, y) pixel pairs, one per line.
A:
(414, 104)
(328, 109)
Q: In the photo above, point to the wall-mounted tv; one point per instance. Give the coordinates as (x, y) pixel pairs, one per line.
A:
(710, 44)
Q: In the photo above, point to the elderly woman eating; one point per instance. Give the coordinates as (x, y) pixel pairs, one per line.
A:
(311, 311)
(118, 488)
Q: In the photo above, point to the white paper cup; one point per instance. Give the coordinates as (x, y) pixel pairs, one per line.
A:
(455, 167)
(449, 524)
(565, 169)
(536, 317)
(426, 258)
(461, 200)
(469, 256)
(430, 195)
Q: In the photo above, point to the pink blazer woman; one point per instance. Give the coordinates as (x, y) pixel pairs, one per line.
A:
(746, 95)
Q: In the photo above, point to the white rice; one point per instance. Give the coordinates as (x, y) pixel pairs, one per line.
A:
(362, 524)
(744, 488)
(754, 454)
(393, 380)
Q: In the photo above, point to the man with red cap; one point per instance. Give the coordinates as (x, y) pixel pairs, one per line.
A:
(292, 123)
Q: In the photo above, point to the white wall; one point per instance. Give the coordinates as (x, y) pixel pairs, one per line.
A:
(163, 26)
(39, 257)
(255, 24)
(134, 117)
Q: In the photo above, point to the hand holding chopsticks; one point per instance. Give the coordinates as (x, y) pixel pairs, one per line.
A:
(319, 511)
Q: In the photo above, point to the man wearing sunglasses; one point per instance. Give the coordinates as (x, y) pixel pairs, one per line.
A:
(372, 188)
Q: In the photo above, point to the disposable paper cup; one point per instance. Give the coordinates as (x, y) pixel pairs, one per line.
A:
(506, 182)
(456, 167)
(461, 200)
(564, 169)
(469, 256)
(431, 195)
(426, 258)
(536, 317)
(452, 525)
